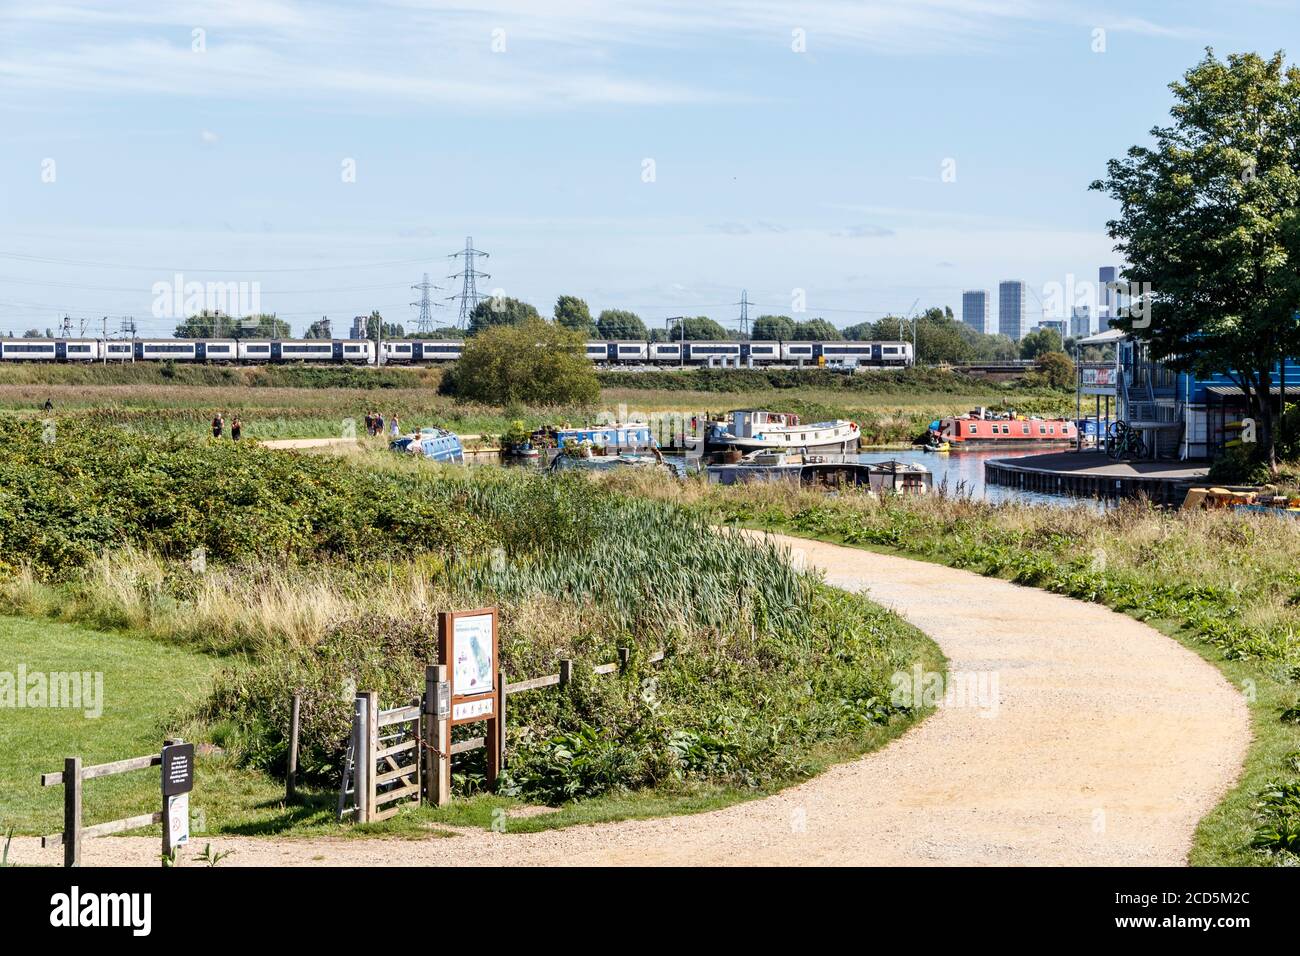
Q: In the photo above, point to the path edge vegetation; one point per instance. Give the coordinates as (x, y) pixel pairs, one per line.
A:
(1223, 835)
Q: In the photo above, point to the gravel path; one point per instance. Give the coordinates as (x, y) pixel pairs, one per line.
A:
(1104, 744)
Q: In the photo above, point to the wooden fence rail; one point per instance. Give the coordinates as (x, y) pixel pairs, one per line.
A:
(71, 778)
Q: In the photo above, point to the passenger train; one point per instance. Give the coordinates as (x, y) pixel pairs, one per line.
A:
(410, 351)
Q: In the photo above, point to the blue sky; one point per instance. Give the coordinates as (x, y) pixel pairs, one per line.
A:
(528, 125)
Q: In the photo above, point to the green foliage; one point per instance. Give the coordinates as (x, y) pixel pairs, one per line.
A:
(217, 325)
(572, 313)
(620, 324)
(1208, 222)
(498, 311)
(772, 328)
(816, 330)
(1039, 342)
(535, 362)
(700, 328)
(62, 502)
(377, 328)
(1056, 370)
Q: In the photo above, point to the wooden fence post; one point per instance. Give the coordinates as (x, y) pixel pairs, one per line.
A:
(566, 671)
(361, 760)
(291, 778)
(624, 659)
(371, 732)
(437, 738)
(501, 683)
(72, 811)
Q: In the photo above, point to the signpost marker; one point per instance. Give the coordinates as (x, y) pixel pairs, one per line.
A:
(468, 649)
(177, 782)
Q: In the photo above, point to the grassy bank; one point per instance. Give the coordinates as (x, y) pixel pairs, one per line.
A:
(1224, 585)
(287, 402)
(296, 573)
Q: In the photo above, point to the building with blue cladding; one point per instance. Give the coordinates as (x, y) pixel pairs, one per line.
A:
(1182, 415)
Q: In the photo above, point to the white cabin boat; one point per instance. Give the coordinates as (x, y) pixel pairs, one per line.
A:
(750, 430)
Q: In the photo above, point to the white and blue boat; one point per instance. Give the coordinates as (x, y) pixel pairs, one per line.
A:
(436, 444)
(616, 436)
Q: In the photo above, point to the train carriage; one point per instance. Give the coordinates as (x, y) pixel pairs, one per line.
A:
(711, 353)
(665, 351)
(630, 351)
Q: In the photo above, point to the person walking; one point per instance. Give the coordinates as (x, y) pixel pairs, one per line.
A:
(236, 428)
(396, 430)
(218, 423)
(49, 405)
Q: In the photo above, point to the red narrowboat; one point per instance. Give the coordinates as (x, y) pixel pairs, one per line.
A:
(972, 431)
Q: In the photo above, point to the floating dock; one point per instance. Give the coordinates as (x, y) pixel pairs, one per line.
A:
(1091, 474)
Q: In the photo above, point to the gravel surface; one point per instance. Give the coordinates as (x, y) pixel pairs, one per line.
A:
(1104, 743)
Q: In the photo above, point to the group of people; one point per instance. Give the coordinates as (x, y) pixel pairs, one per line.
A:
(219, 426)
(375, 424)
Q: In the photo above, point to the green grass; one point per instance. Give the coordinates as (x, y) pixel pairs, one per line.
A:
(144, 683)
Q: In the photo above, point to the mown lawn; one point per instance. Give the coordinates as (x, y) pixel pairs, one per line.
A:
(144, 683)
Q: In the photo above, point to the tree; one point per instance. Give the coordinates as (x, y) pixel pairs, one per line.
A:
(1210, 225)
(1040, 342)
(700, 328)
(572, 313)
(620, 324)
(772, 328)
(1056, 368)
(500, 311)
(217, 325)
(816, 330)
(320, 329)
(376, 327)
(865, 332)
(533, 362)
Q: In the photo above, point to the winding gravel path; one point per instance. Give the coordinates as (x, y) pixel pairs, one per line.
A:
(1105, 744)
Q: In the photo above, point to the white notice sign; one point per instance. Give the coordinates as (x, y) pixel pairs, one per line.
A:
(473, 669)
(178, 818)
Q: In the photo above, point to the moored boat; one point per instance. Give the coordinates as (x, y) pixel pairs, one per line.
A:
(436, 444)
(825, 471)
(751, 430)
(980, 430)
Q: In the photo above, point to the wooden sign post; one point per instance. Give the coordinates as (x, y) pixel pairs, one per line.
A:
(467, 647)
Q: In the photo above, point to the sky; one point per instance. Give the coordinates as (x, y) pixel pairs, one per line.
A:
(846, 158)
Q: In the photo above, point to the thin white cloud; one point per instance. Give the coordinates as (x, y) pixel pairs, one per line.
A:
(558, 53)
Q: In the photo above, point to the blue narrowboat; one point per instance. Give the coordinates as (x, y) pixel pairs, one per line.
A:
(436, 444)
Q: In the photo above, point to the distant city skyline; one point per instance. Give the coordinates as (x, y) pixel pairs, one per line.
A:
(644, 156)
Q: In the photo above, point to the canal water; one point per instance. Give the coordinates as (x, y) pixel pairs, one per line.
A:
(962, 473)
(958, 474)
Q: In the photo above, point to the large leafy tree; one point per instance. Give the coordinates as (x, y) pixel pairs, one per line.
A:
(573, 314)
(772, 328)
(500, 311)
(700, 328)
(1210, 219)
(535, 362)
(620, 324)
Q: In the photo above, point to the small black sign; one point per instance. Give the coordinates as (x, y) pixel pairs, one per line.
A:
(177, 769)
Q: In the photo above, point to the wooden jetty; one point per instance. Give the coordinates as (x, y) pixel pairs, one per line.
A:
(1091, 474)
